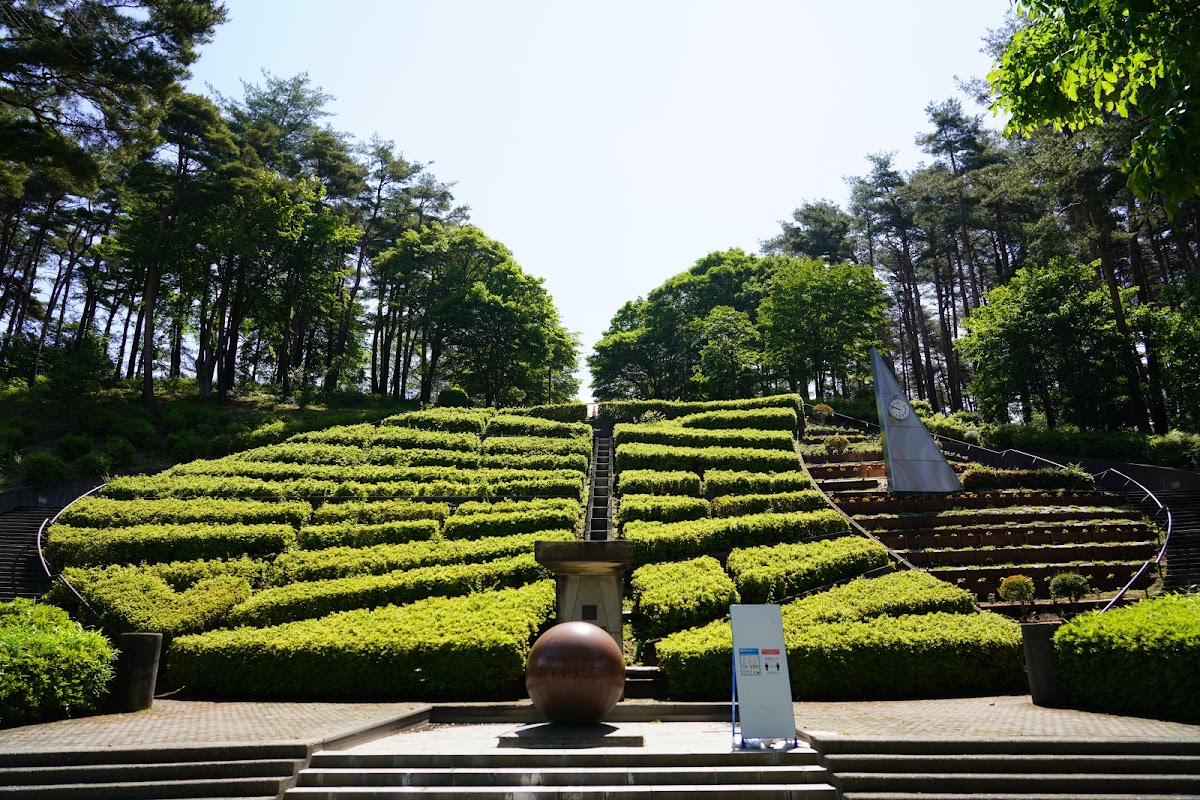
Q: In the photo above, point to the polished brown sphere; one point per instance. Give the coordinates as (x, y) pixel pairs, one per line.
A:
(575, 673)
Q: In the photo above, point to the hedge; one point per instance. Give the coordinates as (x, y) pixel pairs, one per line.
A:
(910, 656)
(1173, 449)
(721, 482)
(423, 457)
(676, 541)
(188, 487)
(1140, 659)
(103, 512)
(76, 547)
(637, 455)
(435, 649)
(679, 594)
(450, 420)
(892, 595)
(136, 599)
(318, 598)
(379, 511)
(353, 534)
(181, 575)
(385, 473)
(305, 453)
(263, 470)
(550, 461)
(49, 666)
(740, 505)
(980, 477)
(676, 436)
(652, 481)
(631, 410)
(507, 523)
(488, 506)
(354, 435)
(537, 445)
(559, 412)
(767, 419)
(416, 438)
(411, 488)
(516, 425)
(660, 508)
(340, 562)
(771, 573)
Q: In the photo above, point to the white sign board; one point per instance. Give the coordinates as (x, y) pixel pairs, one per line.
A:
(760, 670)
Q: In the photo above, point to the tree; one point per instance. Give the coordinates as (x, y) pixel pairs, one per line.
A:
(729, 354)
(821, 230)
(1077, 63)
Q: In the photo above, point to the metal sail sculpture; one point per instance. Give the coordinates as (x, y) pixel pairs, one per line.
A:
(913, 462)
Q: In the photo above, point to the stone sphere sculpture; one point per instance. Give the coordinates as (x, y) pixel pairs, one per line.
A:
(575, 673)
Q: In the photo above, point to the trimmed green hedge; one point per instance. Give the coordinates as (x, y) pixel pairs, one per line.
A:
(549, 461)
(980, 477)
(181, 575)
(379, 511)
(353, 435)
(537, 445)
(341, 562)
(919, 655)
(652, 481)
(152, 543)
(740, 505)
(559, 412)
(161, 486)
(676, 541)
(435, 649)
(419, 439)
(771, 573)
(519, 425)
(660, 508)
(50, 667)
(450, 420)
(354, 534)
(136, 599)
(263, 470)
(766, 419)
(636, 455)
(892, 595)
(632, 410)
(305, 453)
(507, 523)
(318, 598)
(679, 594)
(1140, 659)
(501, 506)
(721, 482)
(424, 457)
(675, 435)
(103, 512)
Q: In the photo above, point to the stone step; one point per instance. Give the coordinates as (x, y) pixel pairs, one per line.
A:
(124, 773)
(1009, 796)
(986, 784)
(1015, 763)
(147, 790)
(764, 791)
(537, 776)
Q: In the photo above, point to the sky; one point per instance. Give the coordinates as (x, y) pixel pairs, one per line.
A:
(610, 146)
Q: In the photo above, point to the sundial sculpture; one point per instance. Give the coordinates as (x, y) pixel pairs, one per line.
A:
(911, 458)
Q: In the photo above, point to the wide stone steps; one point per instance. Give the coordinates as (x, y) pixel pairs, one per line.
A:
(565, 774)
(1183, 551)
(20, 570)
(599, 519)
(235, 771)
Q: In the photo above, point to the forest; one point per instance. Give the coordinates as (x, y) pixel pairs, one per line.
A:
(1046, 274)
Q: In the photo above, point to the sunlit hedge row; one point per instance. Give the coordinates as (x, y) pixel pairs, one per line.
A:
(676, 595)
(676, 541)
(636, 455)
(676, 436)
(162, 542)
(439, 648)
(765, 419)
(103, 512)
(660, 508)
(771, 573)
(741, 504)
(632, 410)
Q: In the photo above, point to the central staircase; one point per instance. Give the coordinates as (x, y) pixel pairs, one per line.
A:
(21, 573)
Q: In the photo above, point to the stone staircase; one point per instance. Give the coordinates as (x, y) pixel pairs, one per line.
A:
(567, 775)
(21, 572)
(259, 771)
(599, 514)
(1183, 551)
(1012, 769)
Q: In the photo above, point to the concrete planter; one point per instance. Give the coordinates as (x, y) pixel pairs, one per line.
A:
(136, 672)
(1045, 688)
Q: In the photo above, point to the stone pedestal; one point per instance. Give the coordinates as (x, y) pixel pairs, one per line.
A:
(588, 575)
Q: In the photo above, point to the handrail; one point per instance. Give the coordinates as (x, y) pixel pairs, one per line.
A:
(113, 633)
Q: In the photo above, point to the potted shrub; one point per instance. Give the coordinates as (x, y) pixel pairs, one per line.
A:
(1069, 585)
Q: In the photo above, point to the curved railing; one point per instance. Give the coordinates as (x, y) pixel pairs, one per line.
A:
(58, 577)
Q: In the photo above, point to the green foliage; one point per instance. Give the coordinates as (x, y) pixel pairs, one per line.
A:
(538, 445)
(345, 435)
(449, 420)
(781, 503)
(38, 469)
(766, 419)
(632, 410)
(73, 446)
(636, 455)
(103, 512)
(310, 599)
(651, 481)
(503, 506)
(183, 487)
(1140, 659)
(390, 435)
(1175, 449)
(305, 453)
(660, 508)
(162, 542)
(771, 573)
(1016, 589)
(676, 595)
(675, 541)
(520, 425)
(559, 412)
(439, 648)
(677, 436)
(379, 511)
(453, 397)
(722, 482)
(131, 598)
(891, 595)
(507, 523)
(979, 478)
(1070, 585)
(49, 666)
(353, 534)
(341, 562)
(181, 575)
(549, 461)
(835, 444)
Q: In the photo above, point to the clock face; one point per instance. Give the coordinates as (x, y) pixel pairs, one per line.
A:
(898, 409)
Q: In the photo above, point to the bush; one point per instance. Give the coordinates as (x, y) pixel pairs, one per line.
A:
(676, 541)
(721, 482)
(636, 455)
(319, 598)
(891, 595)
(120, 450)
(103, 512)
(835, 444)
(651, 481)
(767, 419)
(73, 446)
(435, 649)
(500, 506)
(42, 468)
(673, 435)
(537, 445)
(630, 410)
(379, 511)
(450, 420)
(559, 412)
(352, 534)
(771, 573)
(507, 523)
(49, 666)
(420, 439)
(548, 461)
(740, 505)
(677, 595)
(163, 486)
(1016, 589)
(517, 425)
(305, 453)
(346, 435)
(135, 430)
(978, 478)
(1140, 659)
(660, 508)
(822, 412)
(1070, 585)
(93, 464)
(453, 397)
(158, 542)
(136, 599)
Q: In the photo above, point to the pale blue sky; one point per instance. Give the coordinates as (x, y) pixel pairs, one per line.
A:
(610, 146)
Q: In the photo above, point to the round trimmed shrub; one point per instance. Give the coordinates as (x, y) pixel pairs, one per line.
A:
(119, 450)
(1016, 589)
(453, 397)
(73, 446)
(40, 468)
(1070, 585)
(93, 464)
